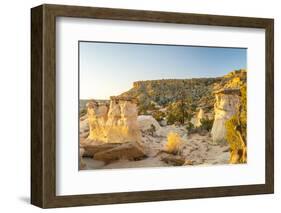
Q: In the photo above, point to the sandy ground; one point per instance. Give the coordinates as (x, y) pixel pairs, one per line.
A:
(197, 149)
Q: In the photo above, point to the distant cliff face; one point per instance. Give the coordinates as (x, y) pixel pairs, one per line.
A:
(115, 124)
(198, 90)
(163, 92)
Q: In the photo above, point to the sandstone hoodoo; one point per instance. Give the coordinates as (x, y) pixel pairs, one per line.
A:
(227, 103)
(116, 123)
(199, 116)
(125, 151)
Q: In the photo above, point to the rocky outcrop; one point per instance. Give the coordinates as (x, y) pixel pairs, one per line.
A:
(174, 160)
(148, 125)
(161, 92)
(93, 148)
(116, 123)
(227, 103)
(126, 151)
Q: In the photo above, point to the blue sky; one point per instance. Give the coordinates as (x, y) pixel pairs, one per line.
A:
(108, 69)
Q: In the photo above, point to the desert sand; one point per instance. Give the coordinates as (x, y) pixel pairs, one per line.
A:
(196, 150)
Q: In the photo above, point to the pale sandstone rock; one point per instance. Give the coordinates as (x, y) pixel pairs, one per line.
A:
(114, 124)
(163, 122)
(148, 123)
(226, 105)
(127, 151)
(200, 115)
(128, 122)
(93, 148)
(97, 116)
(84, 126)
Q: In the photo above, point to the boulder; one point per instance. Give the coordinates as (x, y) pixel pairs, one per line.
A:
(175, 160)
(163, 123)
(93, 148)
(148, 124)
(188, 163)
(127, 151)
(82, 165)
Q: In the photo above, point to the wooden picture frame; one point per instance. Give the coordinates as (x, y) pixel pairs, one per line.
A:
(43, 105)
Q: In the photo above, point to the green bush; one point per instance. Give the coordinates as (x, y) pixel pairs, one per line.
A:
(243, 112)
(236, 131)
(158, 115)
(231, 133)
(207, 124)
(178, 112)
(189, 126)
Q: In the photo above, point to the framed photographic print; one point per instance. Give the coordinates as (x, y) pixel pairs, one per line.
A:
(136, 106)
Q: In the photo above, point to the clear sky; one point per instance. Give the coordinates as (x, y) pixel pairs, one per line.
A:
(108, 69)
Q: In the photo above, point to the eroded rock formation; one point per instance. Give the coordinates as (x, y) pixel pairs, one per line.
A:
(227, 103)
(148, 124)
(116, 123)
(200, 115)
(126, 151)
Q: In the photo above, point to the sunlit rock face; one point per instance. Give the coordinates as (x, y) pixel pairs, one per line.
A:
(200, 115)
(226, 105)
(114, 124)
(147, 122)
(196, 120)
(97, 117)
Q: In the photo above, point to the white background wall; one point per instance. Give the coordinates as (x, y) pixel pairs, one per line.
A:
(15, 104)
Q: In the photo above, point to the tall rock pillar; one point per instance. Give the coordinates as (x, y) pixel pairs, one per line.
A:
(227, 103)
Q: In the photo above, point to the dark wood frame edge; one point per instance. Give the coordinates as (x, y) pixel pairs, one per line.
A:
(43, 105)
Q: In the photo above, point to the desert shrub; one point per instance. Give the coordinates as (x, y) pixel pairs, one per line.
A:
(163, 101)
(151, 106)
(193, 107)
(146, 108)
(171, 118)
(243, 113)
(189, 126)
(158, 115)
(231, 133)
(178, 112)
(173, 143)
(235, 140)
(207, 124)
(236, 131)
